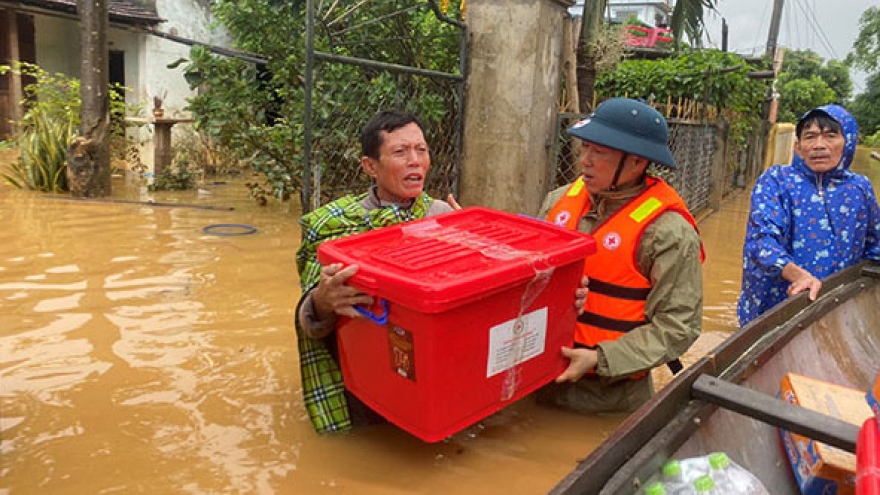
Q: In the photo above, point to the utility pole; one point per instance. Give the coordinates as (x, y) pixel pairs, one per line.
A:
(770, 55)
(774, 96)
(773, 35)
(724, 33)
(770, 103)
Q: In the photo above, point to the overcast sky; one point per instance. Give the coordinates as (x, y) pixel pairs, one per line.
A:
(828, 27)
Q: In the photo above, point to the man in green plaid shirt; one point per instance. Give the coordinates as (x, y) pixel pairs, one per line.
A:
(396, 156)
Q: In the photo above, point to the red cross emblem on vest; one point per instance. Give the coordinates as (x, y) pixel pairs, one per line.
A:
(611, 241)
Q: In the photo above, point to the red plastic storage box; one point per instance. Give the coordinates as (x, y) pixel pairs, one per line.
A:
(472, 308)
(868, 458)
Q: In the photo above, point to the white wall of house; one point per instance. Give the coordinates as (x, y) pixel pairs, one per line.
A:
(57, 45)
(185, 18)
(146, 57)
(620, 10)
(58, 49)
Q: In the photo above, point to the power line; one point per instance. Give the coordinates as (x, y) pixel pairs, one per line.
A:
(786, 12)
(810, 16)
(761, 26)
(757, 46)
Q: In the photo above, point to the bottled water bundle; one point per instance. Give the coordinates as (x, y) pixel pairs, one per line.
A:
(712, 474)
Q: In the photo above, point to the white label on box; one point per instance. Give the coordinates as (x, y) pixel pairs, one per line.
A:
(516, 341)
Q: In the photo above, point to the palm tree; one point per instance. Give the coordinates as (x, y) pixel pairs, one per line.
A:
(687, 17)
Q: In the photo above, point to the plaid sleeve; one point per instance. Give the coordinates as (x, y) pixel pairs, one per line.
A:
(323, 388)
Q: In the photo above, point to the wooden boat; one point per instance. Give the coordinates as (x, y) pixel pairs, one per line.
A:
(727, 400)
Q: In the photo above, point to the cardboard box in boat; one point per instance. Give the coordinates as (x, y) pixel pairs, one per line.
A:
(820, 468)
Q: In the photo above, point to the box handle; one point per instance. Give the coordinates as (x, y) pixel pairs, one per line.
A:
(378, 319)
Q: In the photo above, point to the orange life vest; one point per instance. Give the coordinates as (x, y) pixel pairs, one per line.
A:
(618, 290)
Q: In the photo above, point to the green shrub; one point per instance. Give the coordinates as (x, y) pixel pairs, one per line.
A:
(42, 162)
(177, 177)
(49, 123)
(872, 141)
(713, 77)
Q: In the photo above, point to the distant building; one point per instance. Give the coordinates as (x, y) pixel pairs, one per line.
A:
(143, 38)
(655, 13)
(47, 33)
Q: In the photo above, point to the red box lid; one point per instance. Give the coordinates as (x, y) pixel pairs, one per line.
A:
(440, 262)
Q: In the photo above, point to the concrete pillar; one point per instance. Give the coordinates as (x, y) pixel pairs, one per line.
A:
(514, 73)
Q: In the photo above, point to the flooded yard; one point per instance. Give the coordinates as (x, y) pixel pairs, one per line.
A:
(140, 353)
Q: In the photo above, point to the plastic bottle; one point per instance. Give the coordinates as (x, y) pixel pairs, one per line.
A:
(656, 488)
(719, 470)
(705, 485)
(728, 477)
(731, 478)
(694, 467)
(673, 478)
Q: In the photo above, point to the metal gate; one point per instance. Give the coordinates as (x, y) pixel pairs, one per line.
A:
(402, 55)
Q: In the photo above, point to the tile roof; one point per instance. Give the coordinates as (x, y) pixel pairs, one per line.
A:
(122, 11)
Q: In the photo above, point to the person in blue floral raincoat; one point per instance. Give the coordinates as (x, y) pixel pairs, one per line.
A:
(809, 219)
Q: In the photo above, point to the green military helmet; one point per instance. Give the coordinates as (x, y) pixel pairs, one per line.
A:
(630, 126)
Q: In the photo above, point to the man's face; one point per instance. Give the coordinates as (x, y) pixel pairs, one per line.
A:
(402, 165)
(599, 164)
(820, 149)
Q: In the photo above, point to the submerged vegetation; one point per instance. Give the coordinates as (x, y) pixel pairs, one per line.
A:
(49, 123)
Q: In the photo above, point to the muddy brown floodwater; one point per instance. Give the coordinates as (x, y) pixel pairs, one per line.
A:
(139, 354)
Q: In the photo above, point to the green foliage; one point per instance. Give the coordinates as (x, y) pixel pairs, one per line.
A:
(687, 18)
(42, 164)
(178, 177)
(836, 75)
(53, 95)
(711, 76)
(49, 123)
(806, 81)
(872, 141)
(865, 108)
(233, 111)
(866, 56)
(695, 75)
(634, 21)
(866, 47)
(257, 112)
(799, 95)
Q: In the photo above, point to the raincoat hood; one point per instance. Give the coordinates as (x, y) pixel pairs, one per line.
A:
(850, 130)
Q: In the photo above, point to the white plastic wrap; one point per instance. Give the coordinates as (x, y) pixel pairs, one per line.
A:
(728, 477)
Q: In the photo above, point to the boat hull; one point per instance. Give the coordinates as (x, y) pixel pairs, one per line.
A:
(835, 338)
